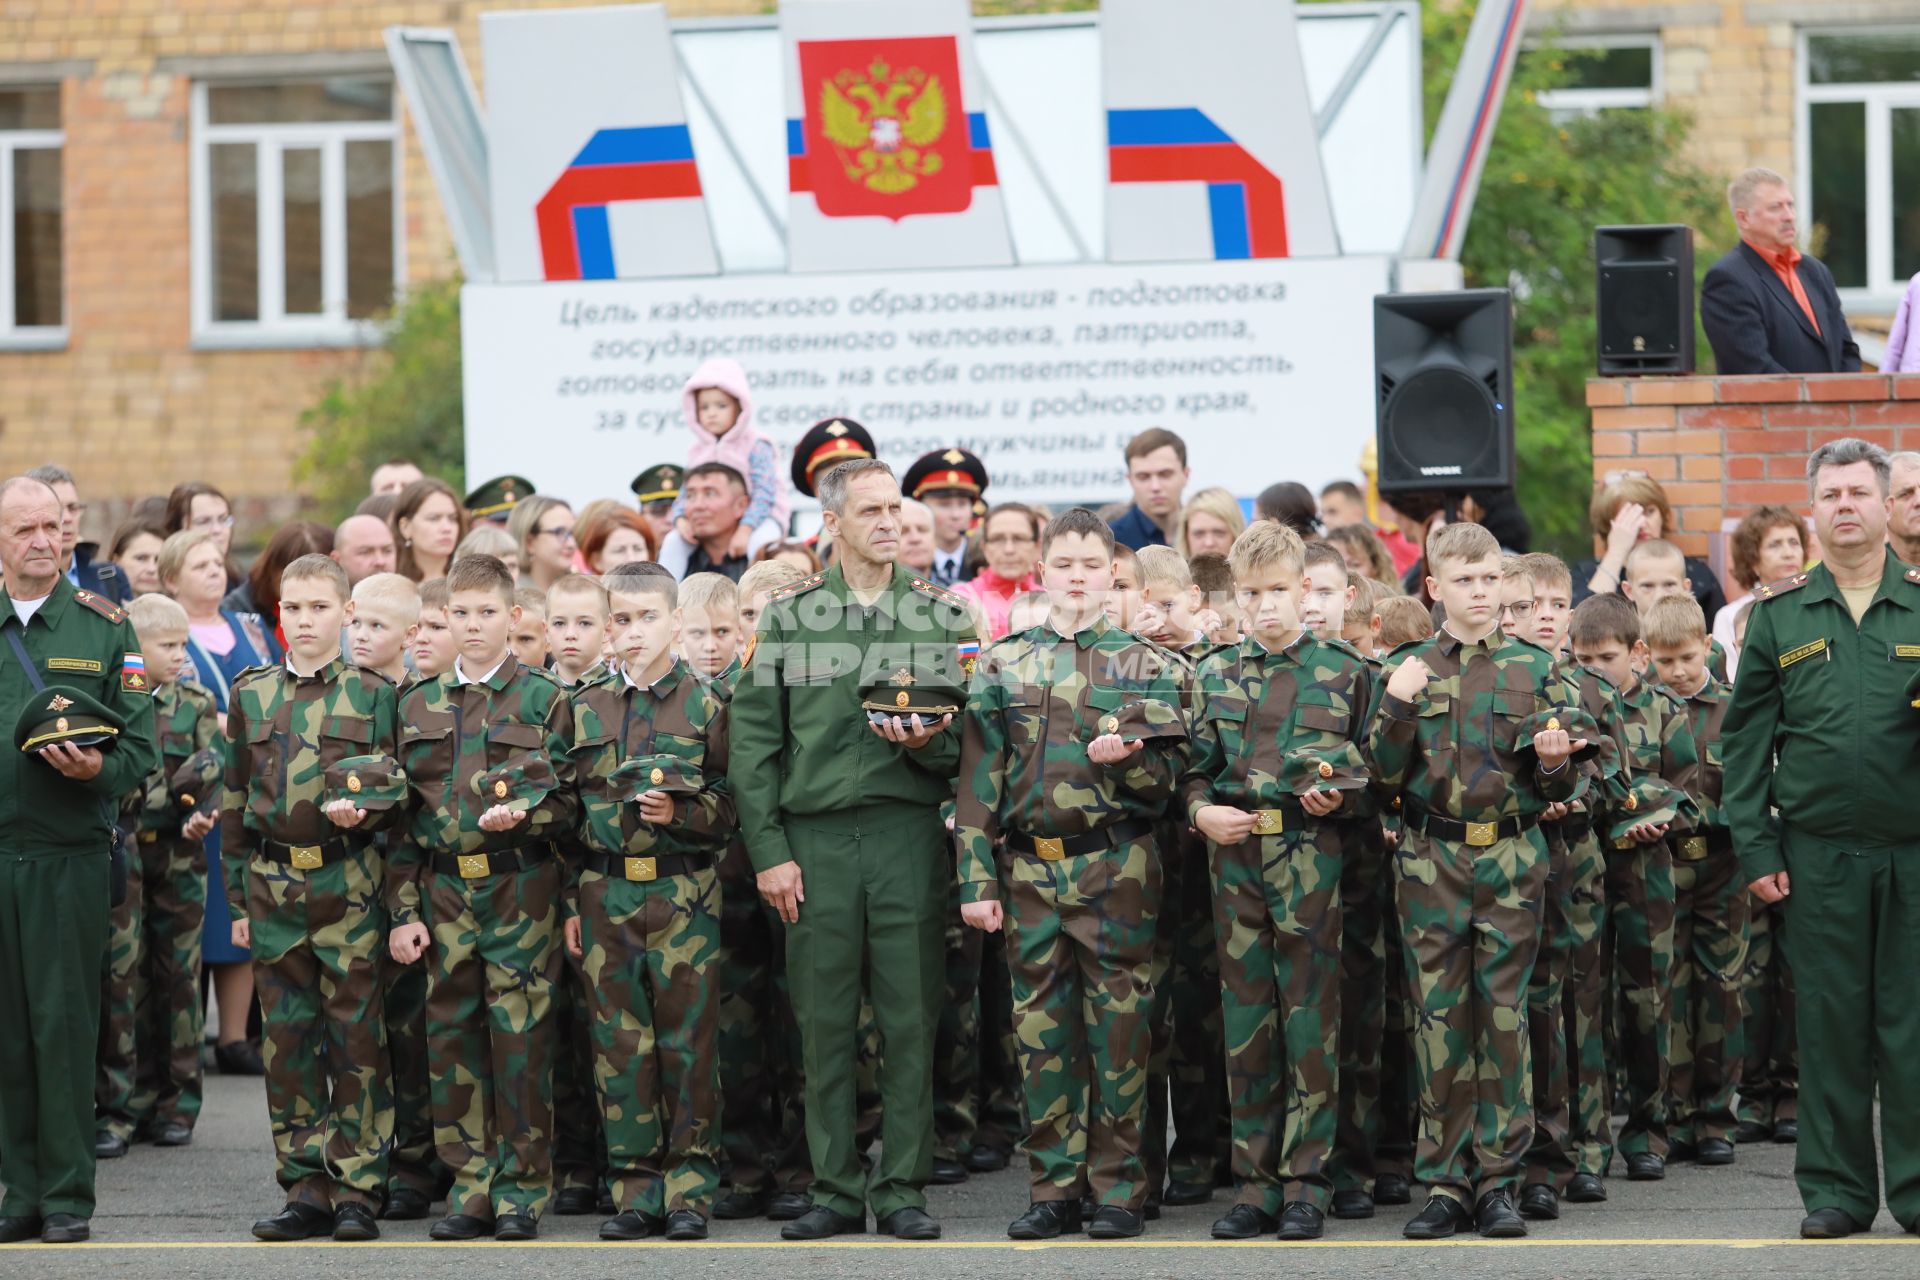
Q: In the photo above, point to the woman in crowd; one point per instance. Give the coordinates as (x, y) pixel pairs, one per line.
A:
(201, 506)
(222, 643)
(260, 592)
(1768, 545)
(613, 535)
(1208, 525)
(543, 529)
(1365, 554)
(428, 523)
(1011, 537)
(1627, 510)
(798, 554)
(136, 553)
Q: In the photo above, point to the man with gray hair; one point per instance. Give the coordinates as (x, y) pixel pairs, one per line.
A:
(85, 567)
(1903, 510)
(1824, 727)
(1767, 307)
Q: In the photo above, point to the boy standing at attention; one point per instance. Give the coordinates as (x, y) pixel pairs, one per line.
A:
(1465, 732)
(433, 647)
(707, 623)
(529, 639)
(383, 620)
(577, 629)
(303, 886)
(478, 884)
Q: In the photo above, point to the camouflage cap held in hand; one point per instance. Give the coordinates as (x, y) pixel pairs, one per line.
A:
(374, 783)
(912, 689)
(519, 783)
(1339, 768)
(1657, 801)
(1578, 724)
(195, 785)
(670, 774)
(1143, 720)
(63, 714)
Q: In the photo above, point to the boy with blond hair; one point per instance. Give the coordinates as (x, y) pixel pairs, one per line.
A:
(1398, 620)
(383, 619)
(434, 648)
(708, 624)
(529, 638)
(577, 629)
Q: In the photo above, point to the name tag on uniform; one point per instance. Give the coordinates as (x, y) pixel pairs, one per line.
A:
(1906, 651)
(74, 664)
(1810, 650)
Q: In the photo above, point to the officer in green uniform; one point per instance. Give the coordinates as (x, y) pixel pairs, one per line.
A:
(1823, 683)
(61, 645)
(842, 820)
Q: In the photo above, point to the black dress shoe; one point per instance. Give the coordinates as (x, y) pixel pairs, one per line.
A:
(1301, 1221)
(686, 1224)
(1644, 1166)
(986, 1160)
(1352, 1204)
(576, 1202)
(1149, 1211)
(1828, 1224)
(460, 1226)
(65, 1228)
(1586, 1188)
(737, 1205)
(1752, 1131)
(172, 1134)
(108, 1146)
(631, 1224)
(1245, 1222)
(404, 1204)
(14, 1230)
(1682, 1152)
(295, 1222)
(1714, 1151)
(787, 1205)
(1786, 1131)
(1496, 1219)
(1392, 1188)
(1114, 1223)
(1444, 1216)
(909, 1223)
(603, 1203)
(516, 1227)
(1540, 1202)
(822, 1223)
(239, 1058)
(354, 1222)
(947, 1173)
(1046, 1219)
(1182, 1193)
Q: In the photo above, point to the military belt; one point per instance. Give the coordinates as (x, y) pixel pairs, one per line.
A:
(478, 866)
(306, 857)
(1477, 834)
(1275, 821)
(150, 837)
(652, 867)
(1702, 844)
(1055, 848)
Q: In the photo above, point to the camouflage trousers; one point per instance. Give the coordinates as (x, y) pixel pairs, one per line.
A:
(579, 1147)
(1640, 906)
(415, 1164)
(1563, 1004)
(152, 1016)
(956, 1039)
(1471, 918)
(652, 952)
(493, 964)
(1365, 900)
(1710, 957)
(318, 942)
(1080, 939)
(1186, 1078)
(1770, 1078)
(763, 1109)
(1584, 1009)
(1277, 917)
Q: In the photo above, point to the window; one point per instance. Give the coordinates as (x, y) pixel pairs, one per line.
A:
(32, 311)
(1859, 155)
(1604, 73)
(296, 218)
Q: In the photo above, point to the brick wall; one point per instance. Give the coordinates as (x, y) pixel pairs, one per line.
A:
(1723, 446)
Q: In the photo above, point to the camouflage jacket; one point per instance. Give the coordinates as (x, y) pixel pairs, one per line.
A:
(1700, 774)
(1254, 706)
(451, 733)
(1605, 775)
(1035, 703)
(185, 720)
(1659, 736)
(1462, 748)
(283, 732)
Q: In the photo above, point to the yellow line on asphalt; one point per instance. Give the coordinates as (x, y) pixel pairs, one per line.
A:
(797, 1246)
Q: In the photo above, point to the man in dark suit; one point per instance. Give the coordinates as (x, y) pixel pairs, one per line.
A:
(1766, 307)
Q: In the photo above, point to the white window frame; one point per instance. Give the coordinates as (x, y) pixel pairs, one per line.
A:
(1566, 103)
(1882, 291)
(274, 328)
(29, 337)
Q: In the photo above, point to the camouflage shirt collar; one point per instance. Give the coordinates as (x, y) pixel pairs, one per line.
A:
(1448, 643)
(660, 688)
(327, 674)
(1712, 691)
(1086, 637)
(495, 679)
(1292, 652)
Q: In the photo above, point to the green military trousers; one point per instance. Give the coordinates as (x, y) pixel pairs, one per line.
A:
(876, 885)
(53, 938)
(1853, 938)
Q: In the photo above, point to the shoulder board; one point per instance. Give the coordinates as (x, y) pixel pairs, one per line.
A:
(746, 654)
(543, 674)
(101, 605)
(254, 673)
(1400, 650)
(1770, 590)
(381, 676)
(796, 588)
(1537, 647)
(1341, 646)
(193, 689)
(940, 593)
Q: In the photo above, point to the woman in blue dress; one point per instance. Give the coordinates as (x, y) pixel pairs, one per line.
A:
(222, 642)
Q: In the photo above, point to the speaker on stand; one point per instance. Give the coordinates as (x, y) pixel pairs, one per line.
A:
(1643, 299)
(1443, 390)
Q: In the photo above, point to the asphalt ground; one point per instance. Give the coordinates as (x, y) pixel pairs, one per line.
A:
(186, 1213)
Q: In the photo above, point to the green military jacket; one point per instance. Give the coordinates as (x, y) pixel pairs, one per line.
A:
(1830, 699)
(284, 731)
(1254, 706)
(1035, 703)
(1701, 774)
(81, 639)
(802, 746)
(186, 720)
(1462, 748)
(1659, 739)
(1606, 775)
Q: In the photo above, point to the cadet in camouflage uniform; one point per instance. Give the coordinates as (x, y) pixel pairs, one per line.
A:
(1056, 759)
(650, 758)
(1281, 719)
(1468, 731)
(1710, 902)
(484, 747)
(304, 892)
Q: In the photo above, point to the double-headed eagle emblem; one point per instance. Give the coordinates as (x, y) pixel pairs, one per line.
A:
(882, 123)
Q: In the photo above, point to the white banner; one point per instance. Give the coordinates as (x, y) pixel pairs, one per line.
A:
(1265, 368)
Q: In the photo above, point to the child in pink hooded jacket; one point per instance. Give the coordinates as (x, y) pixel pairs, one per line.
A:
(719, 410)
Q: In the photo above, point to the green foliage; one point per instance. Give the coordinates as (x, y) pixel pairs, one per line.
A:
(1546, 186)
(403, 401)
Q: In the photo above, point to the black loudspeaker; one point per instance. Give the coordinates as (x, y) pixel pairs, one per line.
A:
(1643, 299)
(1443, 380)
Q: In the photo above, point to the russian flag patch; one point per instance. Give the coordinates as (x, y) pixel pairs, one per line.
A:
(969, 655)
(133, 673)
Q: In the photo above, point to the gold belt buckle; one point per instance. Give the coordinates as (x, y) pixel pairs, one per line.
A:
(1482, 834)
(475, 866)
(306, 857)
(1049, 848)
(1693, 848)
(642, 869)
(149, 837)
(1624, 842)
(1269, 822)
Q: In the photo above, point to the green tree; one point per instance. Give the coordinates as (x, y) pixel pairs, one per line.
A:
(404, 400)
